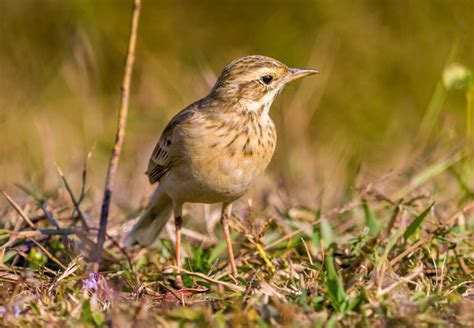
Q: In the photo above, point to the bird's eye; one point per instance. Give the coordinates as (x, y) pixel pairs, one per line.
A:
(267, 79)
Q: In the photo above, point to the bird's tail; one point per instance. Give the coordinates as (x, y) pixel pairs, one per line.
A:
(152, 221)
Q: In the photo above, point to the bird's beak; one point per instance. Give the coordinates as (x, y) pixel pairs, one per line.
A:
(297, 73)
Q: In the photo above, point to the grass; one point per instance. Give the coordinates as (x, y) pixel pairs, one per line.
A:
(391, 251)
(389, 256)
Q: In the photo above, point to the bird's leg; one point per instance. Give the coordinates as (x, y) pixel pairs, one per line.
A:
(178, 223)
(225, 216)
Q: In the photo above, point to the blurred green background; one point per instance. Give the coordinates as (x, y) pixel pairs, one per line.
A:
(61, 65)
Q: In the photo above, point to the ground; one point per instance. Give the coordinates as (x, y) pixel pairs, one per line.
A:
(398, 252)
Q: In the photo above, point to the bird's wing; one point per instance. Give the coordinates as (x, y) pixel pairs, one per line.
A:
(161, 160)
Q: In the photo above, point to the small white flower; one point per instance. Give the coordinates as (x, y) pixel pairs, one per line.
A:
(456, 76)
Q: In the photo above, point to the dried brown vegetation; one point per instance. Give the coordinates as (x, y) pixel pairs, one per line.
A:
(326, 239)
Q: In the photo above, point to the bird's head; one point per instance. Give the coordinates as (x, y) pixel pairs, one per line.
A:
(254, 81)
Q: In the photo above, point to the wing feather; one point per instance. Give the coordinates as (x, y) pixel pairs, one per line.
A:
(161, 160)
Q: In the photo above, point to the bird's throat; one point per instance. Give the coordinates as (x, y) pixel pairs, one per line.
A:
(261, 107)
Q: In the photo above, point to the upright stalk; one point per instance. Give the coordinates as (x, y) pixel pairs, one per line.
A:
(122, 120)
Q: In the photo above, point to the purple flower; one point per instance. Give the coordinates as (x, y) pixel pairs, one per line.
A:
(90, 283)
(16, 311)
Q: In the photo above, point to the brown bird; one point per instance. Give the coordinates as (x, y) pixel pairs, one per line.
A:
(214, 149)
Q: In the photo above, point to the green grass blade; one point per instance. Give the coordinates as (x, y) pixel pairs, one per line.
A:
(334, 285)
(327, 234)
(417, 222)
(371, 220)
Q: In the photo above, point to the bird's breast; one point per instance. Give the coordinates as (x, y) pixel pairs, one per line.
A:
(228, 156)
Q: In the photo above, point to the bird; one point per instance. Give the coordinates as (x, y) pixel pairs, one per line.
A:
(214, 149)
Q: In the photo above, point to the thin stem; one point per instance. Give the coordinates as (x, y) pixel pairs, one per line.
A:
(122, 120)
(19, 210)
(82, 216)
(469, 127)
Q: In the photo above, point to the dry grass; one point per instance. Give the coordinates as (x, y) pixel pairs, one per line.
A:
(323, 241)
(385, 258)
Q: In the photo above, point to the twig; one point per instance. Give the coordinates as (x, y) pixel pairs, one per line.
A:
(84, 177)
(72, 267)
(13, 278)
(48, 254)
(407, 251)
(232, 287)
(393, 218)
(402, 280)
(40, 232)
(43, 205)
(122, 120)
(461, 263)
(465, 209)
(250, 287)
(173, 292)
(18, 210)
(82, 215)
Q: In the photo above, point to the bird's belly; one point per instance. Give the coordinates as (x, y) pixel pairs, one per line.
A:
(219, 174)
(184, 187)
